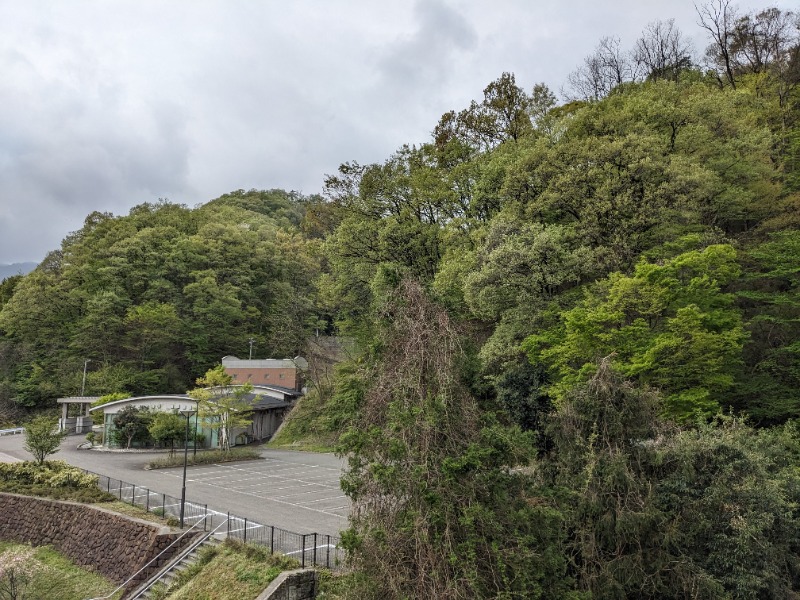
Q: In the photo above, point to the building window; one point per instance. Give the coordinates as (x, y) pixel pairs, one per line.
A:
(282, 375)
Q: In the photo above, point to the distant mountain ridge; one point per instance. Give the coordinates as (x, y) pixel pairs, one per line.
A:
(16, 269)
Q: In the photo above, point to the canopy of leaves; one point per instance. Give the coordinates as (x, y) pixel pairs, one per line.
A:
(668, 325)
(222, 406)
(42, 438)
(156, 297)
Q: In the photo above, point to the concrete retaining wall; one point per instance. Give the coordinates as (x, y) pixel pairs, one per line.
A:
(114, 545)
(292, 585)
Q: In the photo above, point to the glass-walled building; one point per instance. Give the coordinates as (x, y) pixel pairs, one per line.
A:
(268, 406)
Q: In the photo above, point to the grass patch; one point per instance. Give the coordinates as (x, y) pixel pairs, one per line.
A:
(307, 427)
(230, 571)
(54, 576)
(136, 512)
(345, 586)
(320, 417)
(205, 458)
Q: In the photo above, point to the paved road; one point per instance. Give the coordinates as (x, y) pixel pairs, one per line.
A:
(298, 491)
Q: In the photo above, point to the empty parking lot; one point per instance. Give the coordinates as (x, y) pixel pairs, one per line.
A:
(285, 486)
(298, 491)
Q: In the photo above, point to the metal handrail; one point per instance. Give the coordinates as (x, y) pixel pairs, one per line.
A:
(12, 431)
(175, 562)
(125, 583)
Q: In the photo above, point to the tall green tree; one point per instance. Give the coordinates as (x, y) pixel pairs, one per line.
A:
(671, 326)
(222, 406)
(438, 513)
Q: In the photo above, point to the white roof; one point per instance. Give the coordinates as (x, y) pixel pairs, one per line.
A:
(264, 390)
(145, 400)
(78, 399)
(264, 363)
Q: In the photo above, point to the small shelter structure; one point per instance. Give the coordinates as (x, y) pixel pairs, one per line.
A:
(75, 417)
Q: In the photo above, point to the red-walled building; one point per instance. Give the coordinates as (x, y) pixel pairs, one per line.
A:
(278, 372)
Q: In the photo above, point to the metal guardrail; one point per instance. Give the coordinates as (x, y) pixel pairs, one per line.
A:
(14, 431)
(311, 549)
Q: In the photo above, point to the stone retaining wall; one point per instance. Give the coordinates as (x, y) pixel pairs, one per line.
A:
(112, 544)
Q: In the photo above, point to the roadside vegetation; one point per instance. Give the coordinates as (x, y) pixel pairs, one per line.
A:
(51, 479)
(205, 457)
(319, 417)
(42, 437)
(27, 572)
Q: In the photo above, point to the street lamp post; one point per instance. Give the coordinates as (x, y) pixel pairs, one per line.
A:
(194, 446)
(83, 384)
(188, 414)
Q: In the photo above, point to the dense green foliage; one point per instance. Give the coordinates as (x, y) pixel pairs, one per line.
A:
(578, 326)
(52, 479)
(131, 424)
(157, 297)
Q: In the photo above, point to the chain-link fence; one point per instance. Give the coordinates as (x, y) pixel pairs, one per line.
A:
(310, 549)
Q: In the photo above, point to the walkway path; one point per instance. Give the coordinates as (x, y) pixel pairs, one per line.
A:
(298, 491)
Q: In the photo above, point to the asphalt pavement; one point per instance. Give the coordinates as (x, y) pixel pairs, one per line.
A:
(297, 491)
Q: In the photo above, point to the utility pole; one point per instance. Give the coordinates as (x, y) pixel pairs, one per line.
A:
(83, 384)
(251, 341)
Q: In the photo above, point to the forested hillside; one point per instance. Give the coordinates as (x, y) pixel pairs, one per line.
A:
(154, 298)
(578, 325)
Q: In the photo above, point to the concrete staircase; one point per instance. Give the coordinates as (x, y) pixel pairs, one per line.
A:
(170, 572)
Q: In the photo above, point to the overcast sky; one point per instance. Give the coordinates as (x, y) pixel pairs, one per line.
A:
(108, 104)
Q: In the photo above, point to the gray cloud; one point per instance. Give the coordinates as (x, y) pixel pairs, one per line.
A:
(424, 57)
(107, 105)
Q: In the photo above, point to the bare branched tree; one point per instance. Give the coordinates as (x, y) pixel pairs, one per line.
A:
(718, 17)
(414, 507)
(662, 51)
(601, 71)
(763, 41)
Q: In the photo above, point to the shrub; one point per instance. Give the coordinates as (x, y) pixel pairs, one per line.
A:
(205, 458)
(42, 438)
(53, 479)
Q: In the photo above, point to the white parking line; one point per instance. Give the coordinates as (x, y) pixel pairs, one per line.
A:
(326, 499)
(303, 486)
